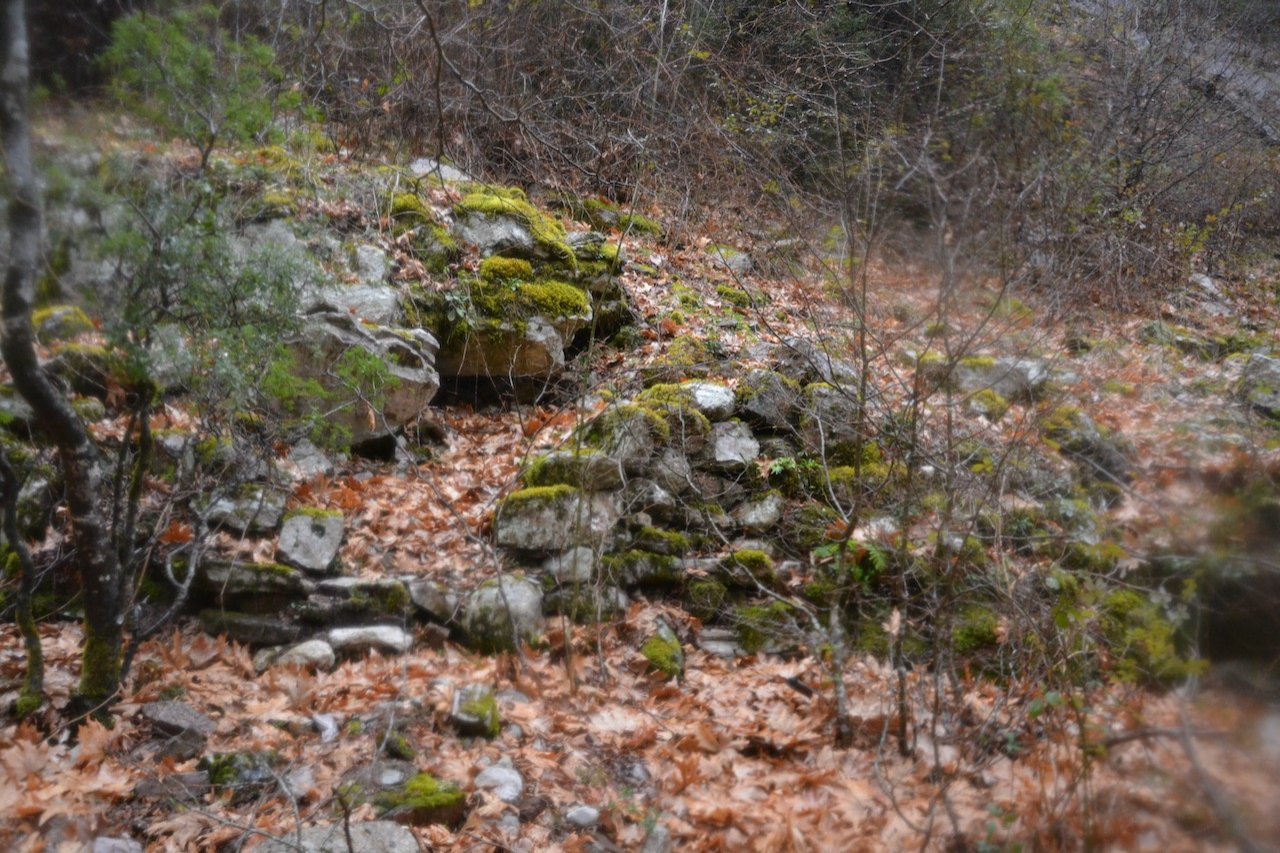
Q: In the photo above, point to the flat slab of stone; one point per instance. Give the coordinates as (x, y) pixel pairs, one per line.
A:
(313, 654)
(375, 836)
(176, 717)
(556, 523)
(712, 399)
(258, 511)
(383, 638)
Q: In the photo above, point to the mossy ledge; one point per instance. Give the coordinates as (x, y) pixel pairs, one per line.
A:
(546, 231)
(424, 800)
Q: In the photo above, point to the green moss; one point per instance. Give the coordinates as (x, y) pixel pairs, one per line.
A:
(757, 624)
(805, 528)
(99, 672)
(990, 404)
(396, 745)
(409, 209)
(642, 568)
(59, 322)
(664, 655)
(548, 233)
(498, 268)
(667, 542)
(275, 161)
(976, 629)
(391, 599)
(538, 494)
(557, 469)
(978, 362)
(425, 799)
(28, 703)
(484, 708)
(756, 564)
(704, 598)
(541, 298)
(687, 356)
(624, 417)
(313, 512)
(226, 769)
(1099, 558)
(734, 296)
(1143, 641)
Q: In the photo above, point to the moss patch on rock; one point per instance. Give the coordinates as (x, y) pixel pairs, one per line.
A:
(510, 202)
(424, 800)
(664, 654)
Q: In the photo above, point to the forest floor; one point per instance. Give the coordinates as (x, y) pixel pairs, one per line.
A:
(738, 754)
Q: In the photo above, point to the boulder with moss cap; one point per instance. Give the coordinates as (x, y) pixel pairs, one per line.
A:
(553, 518)
(500, 611)
(310, 539)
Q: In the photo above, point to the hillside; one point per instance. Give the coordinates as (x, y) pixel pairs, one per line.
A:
(922, 496)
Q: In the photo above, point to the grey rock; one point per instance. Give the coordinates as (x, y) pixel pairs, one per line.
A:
(806, 362)
(383, 638)
(574, 566)
(376, 836)
(248, 628)
(306, 462)
(712, 399)
(104, 844)
(1260, 385)
(495, 235)
(426, 166)
(658, 840)
(671, 471)
(183, 787)
(177, 717)
(474, 711)
(171, 363)
(768, 399)
(434, 600)
(502, 780)
(378, 303)
(489, 620)
(255, 587)
(581, 816)
(1015, 379)
(733, 447)
(760, 516)
(407, 354)
(310, 540)
(555, 523)
(641, 495)
(258, 511)
(15, 410)
(734, 260)
(721, 642)
(584, 469)
(586, 603)
(828, 419)
(533, 348)
(643, 568)
(371, 265)
(312, 654)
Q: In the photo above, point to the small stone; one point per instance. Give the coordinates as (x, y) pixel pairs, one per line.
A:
(498, 606)
(371, 264)
(434, 600)
(502, 780)
(312, 654)
(474, 712)
(575, 566)
(384, 638)
(115, 845)
(177, 717)
(712, 399)
(306, 462)
(760, 516)
(310, 540)
(583, 817)
(258, 511)
(733, 445)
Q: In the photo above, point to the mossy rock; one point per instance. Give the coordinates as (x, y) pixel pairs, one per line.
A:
(584, 468)
(548, 234)
(499, 269)
(637, 568)
(748, 568)
(608, 216)
(806, 527)
(60, 322)
(762, 626)
(475, 712)
(244, 774)
(424, 800)
(669, 543)
(686, 357)
(705, 598)
(976, 630)
(664, 653)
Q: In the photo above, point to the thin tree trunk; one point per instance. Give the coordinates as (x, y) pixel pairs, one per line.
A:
(82, 467)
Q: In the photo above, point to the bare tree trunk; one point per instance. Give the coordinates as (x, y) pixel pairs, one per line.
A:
(82, 467)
